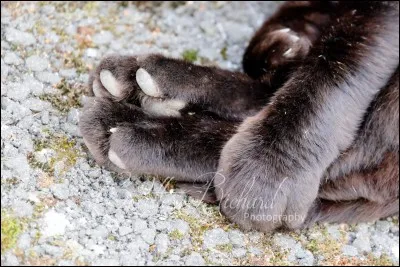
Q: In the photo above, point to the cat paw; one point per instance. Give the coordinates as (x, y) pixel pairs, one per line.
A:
(98, 120)
(141, 80)
(261, 183)
(275, 49)
(285, 45)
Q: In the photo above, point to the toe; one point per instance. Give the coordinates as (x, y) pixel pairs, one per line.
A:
(147, 84)
(110, 83)
(114, 158)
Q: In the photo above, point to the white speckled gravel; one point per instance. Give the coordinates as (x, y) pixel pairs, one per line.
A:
(74, 213)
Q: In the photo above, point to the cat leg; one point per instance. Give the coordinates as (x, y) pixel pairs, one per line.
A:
(270, 170)
(378, 135)
(126, 137)
(365, 196)
(363, 183)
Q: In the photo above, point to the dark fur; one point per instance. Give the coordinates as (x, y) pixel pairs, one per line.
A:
(314, 134)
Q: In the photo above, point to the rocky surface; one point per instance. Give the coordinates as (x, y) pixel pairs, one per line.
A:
(59, 208)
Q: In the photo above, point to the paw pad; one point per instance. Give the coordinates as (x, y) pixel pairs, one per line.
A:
(110, 83)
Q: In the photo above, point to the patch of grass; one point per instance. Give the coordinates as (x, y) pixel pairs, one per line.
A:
(111, 238)
(190, 55)
(90, 6)
(209, 219)
(225, 248)
(64, 148)
(74, 60)
(10, 181)
(61, 33)
(11, 228)
(176, 235)
(150, 195)
(223, 53)
(38, 28)
(67, 98)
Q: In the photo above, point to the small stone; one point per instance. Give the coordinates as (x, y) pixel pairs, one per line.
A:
(73, 116)
(18, 91)
(53, 250)
(48, 77)
(23, 209)
(60, 191)
(103, 37)
(237, 238)
(334, 231)
(162, 243)
(12, 59)
(239, 252)
(24, 241)
(19, 37)
(10, 260)
(148, 236)
(362, 243)
(36, 63)
(54, 224)
(139, 225)
(45, 117)
(91, 52)
(147, 208)
(37, 105)
(124, 230)
(180, 225)
(68, 73)
(214, 238)
(350, 251)
(284, 241)
(255, 251)
(194, 259)
(383, 226)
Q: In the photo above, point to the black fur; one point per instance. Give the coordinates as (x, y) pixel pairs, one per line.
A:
(309, 134)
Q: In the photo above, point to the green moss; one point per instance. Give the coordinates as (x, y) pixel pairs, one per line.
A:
(64, 148)
(312, 246)
(176, 235)
(38, 28)
(223, 53)
(150, 195)
(67, 98)
(225, 248)
(190, 55)
(90, 6)
(74, 60)
(62, 34)
(11, 228)
(10, 181)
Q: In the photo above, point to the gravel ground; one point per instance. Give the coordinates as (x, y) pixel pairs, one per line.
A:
(59, 208)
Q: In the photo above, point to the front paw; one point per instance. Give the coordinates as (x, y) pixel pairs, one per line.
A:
(262, 183)
(98, 122)
(142, 80)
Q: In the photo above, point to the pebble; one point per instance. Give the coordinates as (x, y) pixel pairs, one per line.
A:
(37, 63)
(194, 259)
(13, 59)
(350, 251)
(19, 37)
(215, 237)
